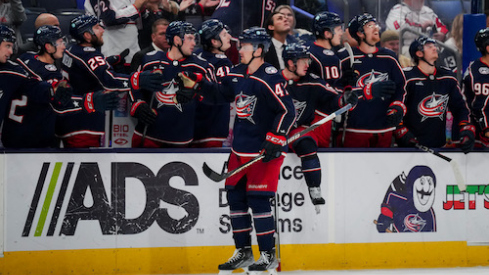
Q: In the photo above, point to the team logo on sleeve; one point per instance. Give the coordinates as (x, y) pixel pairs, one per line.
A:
(371, 77)
(245, 106)
(167, 96)
(433, 106)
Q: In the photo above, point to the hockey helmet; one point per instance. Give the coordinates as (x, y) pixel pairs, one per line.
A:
(256, 36)
(7, 34)
(211, 29)
(418, 45)
(357, 23)
(180, 29)
(82, 24)
(47, 34)
(481, 40)
(325, 21)
(295, 51)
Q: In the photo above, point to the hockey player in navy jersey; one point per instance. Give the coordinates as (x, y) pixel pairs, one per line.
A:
(265, 115)
(87, 71)
(328, 29)
(476, 88)
(212, 121)
(15, 80)
(29, 118)
(168, 120)
(430, 92)
(310, 93)
(372, 122)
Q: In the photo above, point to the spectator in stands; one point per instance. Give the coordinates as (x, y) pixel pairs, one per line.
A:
(455, 39)
(119, 20)
(159, 43)
(414, 14)
(294, 34)
(154, 10)
(43, 19)
(389, 39)
(196, 8)
(12, 13)
(278, 27)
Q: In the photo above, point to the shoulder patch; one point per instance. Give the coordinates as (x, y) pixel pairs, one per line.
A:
(271, 70)
(483, 70)
(220, 55)
(407, 69)
(51, 67)
(313, 76)
(88, 49)
(328, 52)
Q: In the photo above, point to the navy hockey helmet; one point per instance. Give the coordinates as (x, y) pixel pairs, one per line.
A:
(357, 23)
(481, 40)
(418, 45)
(7, 34)
(47, 34)
(325, 21)
(295, 51)
(180, 29)
(256, 36)
(211, 29)
(82, 24)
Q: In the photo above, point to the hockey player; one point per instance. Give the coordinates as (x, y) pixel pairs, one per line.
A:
(476, 88)
(430, 92)
(265, 114)
(172, 123)
(372, 122)
(29, 118)
(309, 93)
(328, 29)
(14, 79)
(212, 121)
(87, 71)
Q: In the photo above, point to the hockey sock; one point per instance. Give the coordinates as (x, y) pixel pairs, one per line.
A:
(306, 149)
(240, 218)
(263, 220)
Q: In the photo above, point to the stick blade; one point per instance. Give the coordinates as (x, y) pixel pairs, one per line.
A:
(211, 174)
(459, 179)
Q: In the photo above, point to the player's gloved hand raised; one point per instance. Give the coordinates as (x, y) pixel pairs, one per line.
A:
(117, 61)
(61, 93)
(379, 89)
(151, 81)
(385, 218)
(404, 137)
(349, 97)
(349, 78)
(394, 115)
(189, 80)
(272, 146)
(467, 137)
(100, 101)
(143, 112)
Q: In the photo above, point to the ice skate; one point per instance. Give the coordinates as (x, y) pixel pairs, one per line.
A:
(267, 262)
(316, 198)
(242, 258)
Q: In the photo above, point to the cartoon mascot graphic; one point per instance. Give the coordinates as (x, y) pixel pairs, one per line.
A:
(408, 203)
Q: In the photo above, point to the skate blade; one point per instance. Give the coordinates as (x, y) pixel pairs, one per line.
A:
(229, 272)
(268, 271)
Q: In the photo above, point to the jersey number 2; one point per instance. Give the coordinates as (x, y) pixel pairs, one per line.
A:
(96, 61)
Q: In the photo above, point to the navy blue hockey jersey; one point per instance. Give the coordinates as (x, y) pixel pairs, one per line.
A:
(427, 100)
(262, 104)
(476, 91)
(174, 122)
(325, 64)
(370, 116)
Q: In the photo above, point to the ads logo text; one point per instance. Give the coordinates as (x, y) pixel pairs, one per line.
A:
(109, 208)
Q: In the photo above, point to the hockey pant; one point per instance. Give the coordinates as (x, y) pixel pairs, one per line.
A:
(306, 150)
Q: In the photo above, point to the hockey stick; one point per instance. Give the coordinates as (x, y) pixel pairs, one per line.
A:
(146, 126)
(455, 168)
(219, 177)
(352, 60)
(277, 231)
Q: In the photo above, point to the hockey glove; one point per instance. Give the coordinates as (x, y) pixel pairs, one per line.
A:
(143, 112)
(349, 78)
(467, 137)
(117, 61)
(382, 89)
(189, 80)
(61, 93)
(385, 218)
(349, 97)
(100, 101)
(151, 81)
(404, 137)
(272, 146)
(184, 95)
(394, 115)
